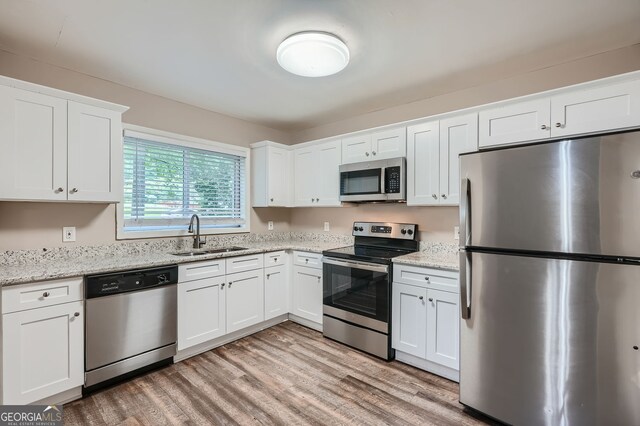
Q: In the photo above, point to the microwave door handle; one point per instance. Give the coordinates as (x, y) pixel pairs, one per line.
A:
(383, 180)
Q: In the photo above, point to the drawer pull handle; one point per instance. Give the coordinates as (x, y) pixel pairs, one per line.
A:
(77, 314)
(275, 259)
(306, 261)
(46, 294)
(426, 278)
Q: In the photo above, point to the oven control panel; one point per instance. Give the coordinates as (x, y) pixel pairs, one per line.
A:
(403, 231)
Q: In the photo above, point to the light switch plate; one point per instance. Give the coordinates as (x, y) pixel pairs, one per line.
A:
(270, 225)
(68, 234)
(326, 227)
(456, 232)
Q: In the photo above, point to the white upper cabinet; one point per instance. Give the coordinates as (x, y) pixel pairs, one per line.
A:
(577, 111)
(423, 164)
(94, 153)
(53, 148)
(517, 122)
(458, 135)
(433, 171)
(271, 176)
(33, 146)
(316, 175)
(602, 108)
(377, 145)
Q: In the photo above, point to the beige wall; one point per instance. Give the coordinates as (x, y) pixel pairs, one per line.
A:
(35, 225)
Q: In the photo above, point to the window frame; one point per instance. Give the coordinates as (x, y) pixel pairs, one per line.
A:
(189, 142)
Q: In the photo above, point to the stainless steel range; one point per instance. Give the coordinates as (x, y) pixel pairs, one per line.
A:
(357, 285)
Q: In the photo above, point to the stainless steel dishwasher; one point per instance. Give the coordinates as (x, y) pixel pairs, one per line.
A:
(130, 323)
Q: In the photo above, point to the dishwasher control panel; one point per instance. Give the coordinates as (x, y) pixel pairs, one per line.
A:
(124, 282)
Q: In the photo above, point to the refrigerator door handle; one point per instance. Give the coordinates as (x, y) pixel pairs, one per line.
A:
(465, 210)
(465, 299)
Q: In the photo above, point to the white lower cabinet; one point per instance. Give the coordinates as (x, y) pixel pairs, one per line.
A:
(43, 352)
(201, 311)
(425, 320)
(276, 291)
(245, 299)
(307, 293)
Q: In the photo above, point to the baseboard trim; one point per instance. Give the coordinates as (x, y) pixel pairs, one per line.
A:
(431, 367)
(307, 323)
(61, 398)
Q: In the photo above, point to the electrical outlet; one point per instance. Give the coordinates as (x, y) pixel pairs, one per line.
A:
(456, 232)
(270, 225)
(68, 234)
(326, 227)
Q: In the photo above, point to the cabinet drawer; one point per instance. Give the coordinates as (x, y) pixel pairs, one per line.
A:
(275, 258)
(424, 277)
(200, 270)
(312, 260)
(45, 293)
(245, 263)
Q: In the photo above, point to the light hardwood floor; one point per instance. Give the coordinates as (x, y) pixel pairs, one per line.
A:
(287, 375)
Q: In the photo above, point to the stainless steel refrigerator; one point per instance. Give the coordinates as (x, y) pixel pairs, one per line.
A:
(550, 282)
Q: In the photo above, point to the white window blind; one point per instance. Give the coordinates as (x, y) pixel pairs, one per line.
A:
(165, 183)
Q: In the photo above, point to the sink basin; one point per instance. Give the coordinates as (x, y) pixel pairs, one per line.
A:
(225, 250)
(208, 251)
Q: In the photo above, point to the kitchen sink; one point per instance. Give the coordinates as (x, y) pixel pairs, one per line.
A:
(208, 251)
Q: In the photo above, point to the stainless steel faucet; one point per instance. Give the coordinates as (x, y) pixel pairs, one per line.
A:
(196, 238)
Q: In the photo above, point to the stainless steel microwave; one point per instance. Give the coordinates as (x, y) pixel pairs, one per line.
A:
(380, 180)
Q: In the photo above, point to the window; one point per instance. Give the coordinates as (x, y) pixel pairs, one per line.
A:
(169, 178)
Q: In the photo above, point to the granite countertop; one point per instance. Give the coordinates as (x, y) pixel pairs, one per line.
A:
(430, 259)
(40, 270)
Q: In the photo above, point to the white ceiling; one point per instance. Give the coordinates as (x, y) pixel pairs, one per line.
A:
(220, 55)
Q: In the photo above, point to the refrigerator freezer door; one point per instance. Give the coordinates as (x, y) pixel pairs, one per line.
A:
(574, 196)
(552, 342)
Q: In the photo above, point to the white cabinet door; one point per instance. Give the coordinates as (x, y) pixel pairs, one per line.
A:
(33, 146)
(598, 109)
(356, 148)
(43, 352)
(443, 328)
(278, 179)
(457, 136)
(307, 293)
(423, 164)
(305, 180)
(276, 291)
(517, 122)
(245, 299)
(390, 143)
(95, 154)
(201, 311)
(409, 319)
(327, 174)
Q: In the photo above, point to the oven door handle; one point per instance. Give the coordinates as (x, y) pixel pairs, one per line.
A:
(357, 265)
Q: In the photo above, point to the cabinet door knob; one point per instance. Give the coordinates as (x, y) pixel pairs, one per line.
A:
(431, 299)
(221, 286)
(317, 199)
(58, 190)
(426, 278)
(558, 124)
(268, 275)
(444, 196)
(77, 314)
(275, 259)
(635, 174)
(312, 200)
(306, 261)
(544, 127)
(46, 294)
(421, 298)
(272, 200)
(230, 284)
(74, 190)
(435, 197)
(366, 153)
(373, 152)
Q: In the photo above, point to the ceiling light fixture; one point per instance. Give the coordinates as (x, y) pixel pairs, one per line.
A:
(313, 54)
